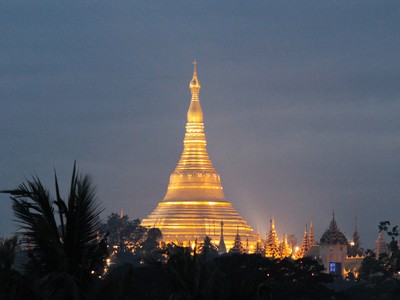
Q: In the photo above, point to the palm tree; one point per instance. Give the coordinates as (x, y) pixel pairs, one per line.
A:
(71, 252)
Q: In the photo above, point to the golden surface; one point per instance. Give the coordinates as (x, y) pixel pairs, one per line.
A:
(195, 204)
(184, 221)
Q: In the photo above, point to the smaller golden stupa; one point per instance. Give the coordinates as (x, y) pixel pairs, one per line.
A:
(195, 205)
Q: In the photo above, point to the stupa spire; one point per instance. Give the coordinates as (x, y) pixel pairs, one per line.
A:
(195, 199)
(272, 242)
(195, 113)
(221, 245)
(355, 224)
(305, 246)
(284, 249)
(195, 84)
(311, 237)
(355, 245)
(195, 177)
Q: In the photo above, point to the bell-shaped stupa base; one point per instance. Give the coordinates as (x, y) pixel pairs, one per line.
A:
(182, 222)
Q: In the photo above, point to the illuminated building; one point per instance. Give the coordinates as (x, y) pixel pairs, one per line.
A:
(308, 242)
(305, 243)
(195, 204)
(237, 245)
(272, 242)
(333, 251)
(333, 248)
(259, 248)
(311, 238)
(284, 249)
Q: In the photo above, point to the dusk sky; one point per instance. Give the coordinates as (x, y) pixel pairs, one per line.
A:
(301, 103)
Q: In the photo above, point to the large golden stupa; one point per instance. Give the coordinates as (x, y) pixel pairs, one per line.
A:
(195, 204)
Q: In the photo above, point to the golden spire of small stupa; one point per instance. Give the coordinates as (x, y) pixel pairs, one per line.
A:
(221, 245)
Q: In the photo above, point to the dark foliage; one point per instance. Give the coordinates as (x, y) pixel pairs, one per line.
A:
(188, 277)
(374, 269)
(15, 286)
(73, 254)
(124, 233)
(149, 250)
(7, 253)
(255, 277)
(207, 249)
(388, 289)
(126, 282)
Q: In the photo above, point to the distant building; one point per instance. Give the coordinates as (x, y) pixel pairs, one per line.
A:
(355, 245)
(305, 243)
(311, 238)
(237, 245)
(284, 248)
(380, 246)
(332, 251)
(221, 245)
(259, 248)
(272, 242)
(333, 248)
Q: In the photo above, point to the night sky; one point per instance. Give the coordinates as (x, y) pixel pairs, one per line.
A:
(301, 102)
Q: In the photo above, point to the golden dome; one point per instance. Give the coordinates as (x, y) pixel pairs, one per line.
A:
(195, 204)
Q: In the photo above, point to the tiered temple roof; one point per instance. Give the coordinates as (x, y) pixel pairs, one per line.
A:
(272, 241)
(333, 235)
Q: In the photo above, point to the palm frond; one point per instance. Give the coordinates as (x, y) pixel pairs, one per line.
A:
(35, 215)
(77, 249)
(83, 226)
(62, 208)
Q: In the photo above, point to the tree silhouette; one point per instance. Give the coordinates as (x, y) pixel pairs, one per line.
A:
(71, 257)
(7, 253)
(13, 285)
(124, 238)
(392, 263)
(150, 249)
(207, 249)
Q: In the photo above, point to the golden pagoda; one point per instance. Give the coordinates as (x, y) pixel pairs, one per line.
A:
(195, 205)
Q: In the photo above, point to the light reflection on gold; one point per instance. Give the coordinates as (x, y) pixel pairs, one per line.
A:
(195, 204)
(191, 203)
